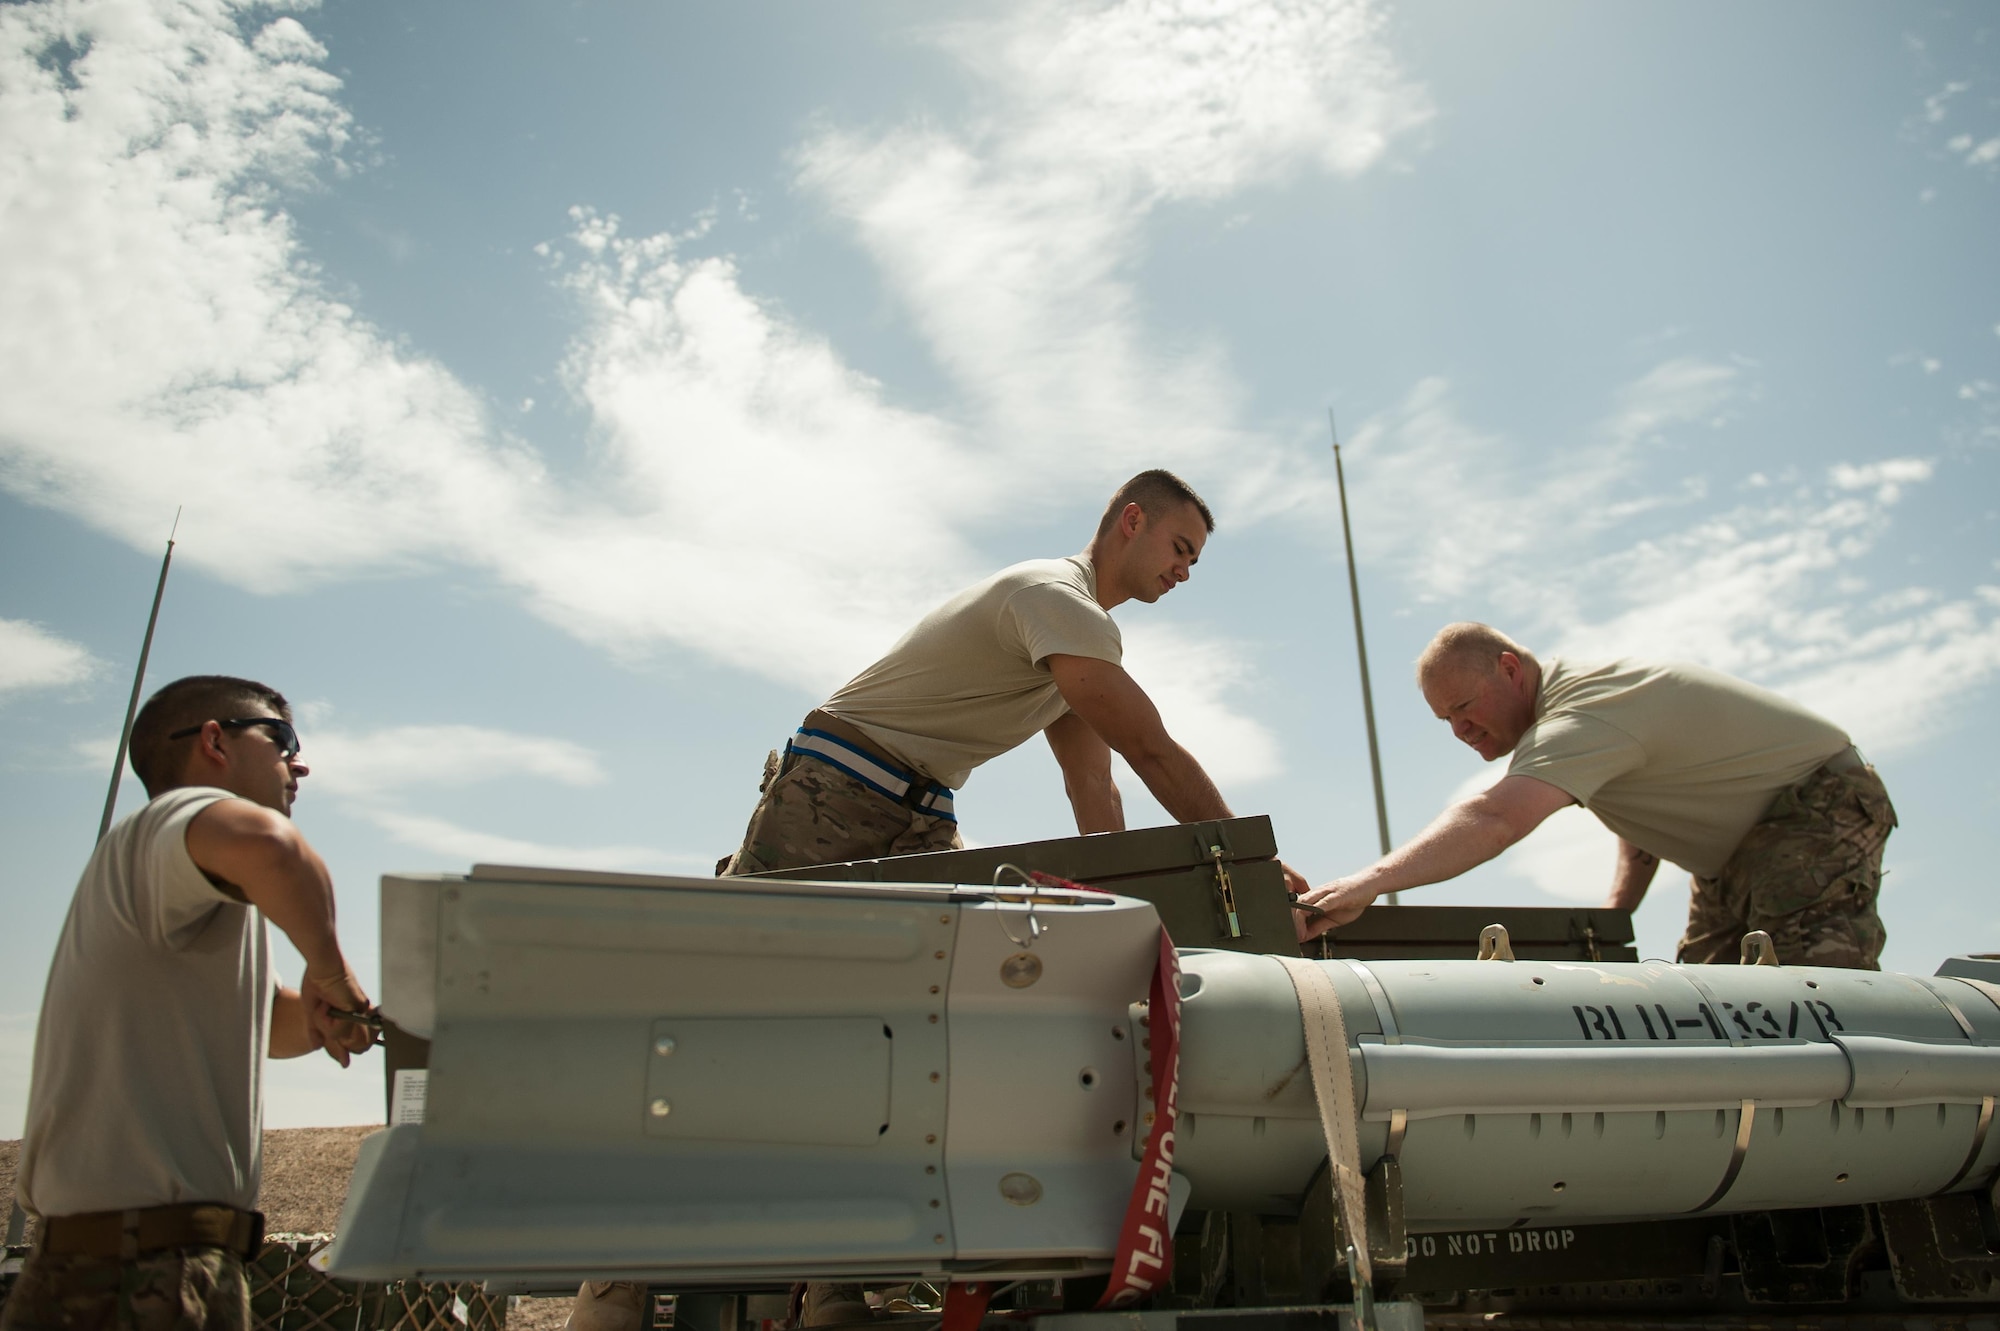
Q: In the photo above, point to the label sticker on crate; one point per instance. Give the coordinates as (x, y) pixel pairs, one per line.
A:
(408, 1098)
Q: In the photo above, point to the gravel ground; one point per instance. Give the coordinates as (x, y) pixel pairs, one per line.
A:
(306, 1171)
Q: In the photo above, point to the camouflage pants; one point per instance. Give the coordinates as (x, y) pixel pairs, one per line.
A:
(814, 813)
(1807, 874)
(181, 1289)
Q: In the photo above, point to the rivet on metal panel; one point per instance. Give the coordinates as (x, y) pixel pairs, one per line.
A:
(934, 988)
(1118, 1128)
(930, 1169)
(934, 1076)
(1494, 945)
(664, 1045)
(944, 919)
(1020, 970)
(1021, 1189)
(935, 1203)
(934, 1017)
(659, 1109)
(939, 955)
(937, 1238)
(930, 1139)
(1758, 949)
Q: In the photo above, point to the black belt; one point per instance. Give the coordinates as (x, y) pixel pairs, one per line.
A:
(150, 1229)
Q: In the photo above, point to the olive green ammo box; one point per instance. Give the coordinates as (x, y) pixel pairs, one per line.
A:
(1194, 873)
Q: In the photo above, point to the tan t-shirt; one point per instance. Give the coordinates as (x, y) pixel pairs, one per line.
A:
(970, 681)
(1677, 759)
(149, 1058)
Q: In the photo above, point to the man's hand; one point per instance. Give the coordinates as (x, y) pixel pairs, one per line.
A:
(1296, 883)
(321, 994)
(1340, 901)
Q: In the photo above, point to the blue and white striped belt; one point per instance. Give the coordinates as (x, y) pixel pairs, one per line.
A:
(906, 788)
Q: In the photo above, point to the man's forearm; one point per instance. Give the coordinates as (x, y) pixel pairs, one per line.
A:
(301, 905)
(1179, 784)
(1633, 876)
(1097, 804)
(1463, 837)
(291, 1029)
(287, 881)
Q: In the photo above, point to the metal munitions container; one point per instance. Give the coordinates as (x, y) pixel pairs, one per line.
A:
(1526, 1091)
(703, 1080)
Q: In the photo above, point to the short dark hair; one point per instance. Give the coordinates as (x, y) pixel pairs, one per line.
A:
(1155, 492)
(190, 702)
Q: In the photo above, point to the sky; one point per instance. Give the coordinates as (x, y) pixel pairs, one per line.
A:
(560, 399)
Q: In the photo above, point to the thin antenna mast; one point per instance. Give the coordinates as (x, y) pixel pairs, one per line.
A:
(1361, 648)
(138, 682)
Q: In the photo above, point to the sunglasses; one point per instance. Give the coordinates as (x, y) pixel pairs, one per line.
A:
(282, 734)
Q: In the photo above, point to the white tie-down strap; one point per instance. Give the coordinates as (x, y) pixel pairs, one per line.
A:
(1333, 1087)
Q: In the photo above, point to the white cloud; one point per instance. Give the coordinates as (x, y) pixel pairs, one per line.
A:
(373, 775)
(1467, 504)
(1886, 478)
(1192, 680)
(1675, 392)
(464, 845)
(1937, 105)
(1776, 590)
(31, 657)
(402, 758)
(168, 336)
(165, 338)
(746, 452)
(1013, 242)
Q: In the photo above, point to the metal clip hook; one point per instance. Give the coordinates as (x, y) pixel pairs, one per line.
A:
(1757, 950)
(1035, 927)
(371, 1019)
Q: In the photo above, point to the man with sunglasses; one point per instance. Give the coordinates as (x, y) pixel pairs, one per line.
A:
(145, 1112)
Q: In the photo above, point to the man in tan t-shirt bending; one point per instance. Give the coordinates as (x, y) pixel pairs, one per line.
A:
(1765, 803)
(1031, 650)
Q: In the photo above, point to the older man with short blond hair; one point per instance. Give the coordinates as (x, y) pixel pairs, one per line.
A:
(1767, 804)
